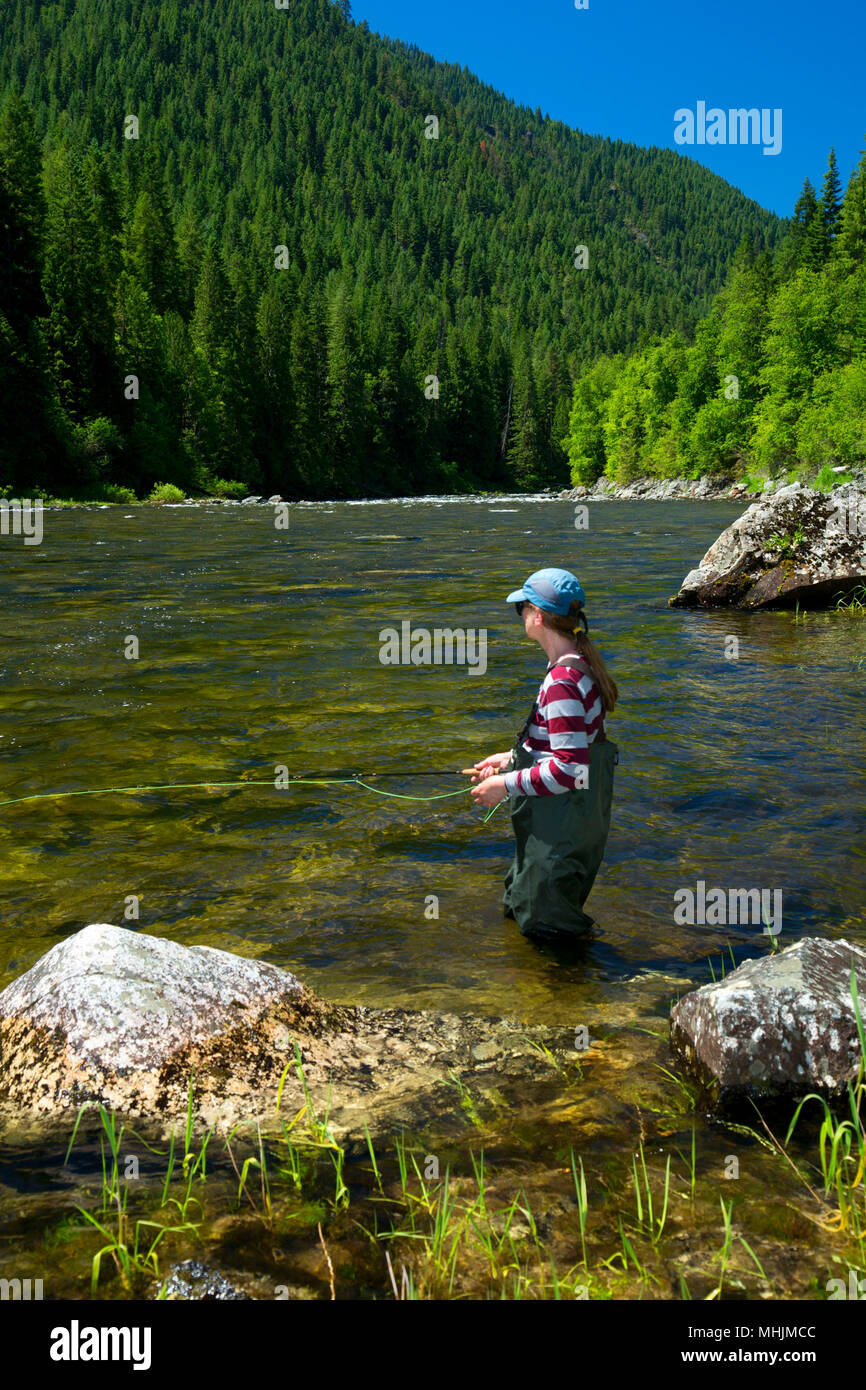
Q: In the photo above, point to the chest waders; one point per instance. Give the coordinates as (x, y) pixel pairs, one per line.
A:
(559, 841)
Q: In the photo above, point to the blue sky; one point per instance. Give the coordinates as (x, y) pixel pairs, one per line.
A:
(623, 67)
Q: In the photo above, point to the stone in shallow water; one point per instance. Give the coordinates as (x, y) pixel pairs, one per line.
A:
(795, 546)
(124, 1020)
(117, 1017)
(193, 1280)
(779, 1026)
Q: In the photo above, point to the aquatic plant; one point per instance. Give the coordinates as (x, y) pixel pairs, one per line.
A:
(842, 1144)
(131, 1245)
(853, 603)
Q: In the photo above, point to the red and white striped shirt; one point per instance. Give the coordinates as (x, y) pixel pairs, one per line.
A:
(566, 718)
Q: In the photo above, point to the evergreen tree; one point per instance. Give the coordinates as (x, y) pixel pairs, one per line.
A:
(22, 216)
(851, 244)
(831, 201)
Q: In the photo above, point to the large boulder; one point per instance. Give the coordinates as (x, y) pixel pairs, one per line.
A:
(117, 1018)
(779, 1026)
(796, 546)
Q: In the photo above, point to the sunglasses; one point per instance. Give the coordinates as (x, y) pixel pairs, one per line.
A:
(519, 607)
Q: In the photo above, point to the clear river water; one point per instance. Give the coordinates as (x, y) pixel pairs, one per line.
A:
(260, 647)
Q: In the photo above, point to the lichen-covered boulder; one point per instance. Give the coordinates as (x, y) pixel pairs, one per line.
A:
(797, 546)
(117, 1018)
(779, 1026)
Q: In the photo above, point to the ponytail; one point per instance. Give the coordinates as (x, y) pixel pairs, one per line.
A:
(574, 623)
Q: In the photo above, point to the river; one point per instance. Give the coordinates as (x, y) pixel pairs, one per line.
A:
(259, 647)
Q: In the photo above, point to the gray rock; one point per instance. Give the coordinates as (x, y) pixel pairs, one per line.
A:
(796, 546)
(193, 1280)
(651, 489)
(130, 1000)
(275, 500)
(110, 1015)
(251, 501)
(121, 1019)
(779, 1026)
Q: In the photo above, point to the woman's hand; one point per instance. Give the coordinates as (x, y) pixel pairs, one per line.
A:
(489, 792)
(487, 767)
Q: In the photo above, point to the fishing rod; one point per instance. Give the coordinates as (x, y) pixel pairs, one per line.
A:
(374, 776)
(296, 779)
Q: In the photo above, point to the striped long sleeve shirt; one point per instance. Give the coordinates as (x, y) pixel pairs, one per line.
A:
(566, 718)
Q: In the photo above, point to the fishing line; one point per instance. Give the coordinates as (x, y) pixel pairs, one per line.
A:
(249, 782)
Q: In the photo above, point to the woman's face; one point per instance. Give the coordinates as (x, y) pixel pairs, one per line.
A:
(532, 620)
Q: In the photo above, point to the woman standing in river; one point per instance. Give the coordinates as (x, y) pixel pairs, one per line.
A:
(559, 777)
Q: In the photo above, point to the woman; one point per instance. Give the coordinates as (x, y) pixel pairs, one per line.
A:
(560, 775)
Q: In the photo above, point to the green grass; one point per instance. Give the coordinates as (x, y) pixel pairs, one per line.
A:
(825, 479)
(473, 1230)
(852, 604)
(131, 1244)
(842, 1146)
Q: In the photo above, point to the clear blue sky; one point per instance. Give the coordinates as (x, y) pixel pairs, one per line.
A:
(623, 67)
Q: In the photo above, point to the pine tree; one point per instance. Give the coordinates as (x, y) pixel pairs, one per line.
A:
(276, 404)
(851, 244)
(805, 213)
(345, 385)
(151, 251)
(525, 440)
(22, 216)
(831, 201)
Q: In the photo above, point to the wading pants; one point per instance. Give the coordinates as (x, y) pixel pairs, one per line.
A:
(559, 846)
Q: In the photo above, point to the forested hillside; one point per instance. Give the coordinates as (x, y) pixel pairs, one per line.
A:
(230, 252)
(775, 380)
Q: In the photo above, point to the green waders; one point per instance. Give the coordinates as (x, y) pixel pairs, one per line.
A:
(559, 845)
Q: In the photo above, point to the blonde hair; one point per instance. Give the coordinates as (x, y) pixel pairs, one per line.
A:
(574, 623)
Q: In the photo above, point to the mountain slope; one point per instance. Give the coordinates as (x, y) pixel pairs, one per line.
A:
(406, 258)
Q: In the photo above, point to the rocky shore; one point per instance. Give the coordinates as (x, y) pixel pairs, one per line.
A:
(705, 489)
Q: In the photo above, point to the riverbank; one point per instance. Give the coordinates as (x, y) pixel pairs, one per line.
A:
(587, 1174)
(604, 489)
(705, 489)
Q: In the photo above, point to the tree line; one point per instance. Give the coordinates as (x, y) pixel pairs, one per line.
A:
(774, 381)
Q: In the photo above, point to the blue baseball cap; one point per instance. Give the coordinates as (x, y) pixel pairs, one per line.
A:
(553, 590)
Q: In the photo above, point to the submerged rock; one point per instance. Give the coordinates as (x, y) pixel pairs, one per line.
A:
(193, 1280)
(779, 1026)
(117, 1018)
(797, 546)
